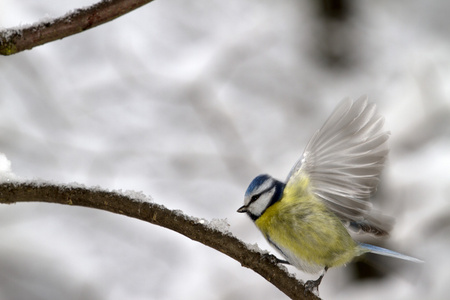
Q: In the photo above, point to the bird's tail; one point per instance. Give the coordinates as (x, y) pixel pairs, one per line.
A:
(387, 252)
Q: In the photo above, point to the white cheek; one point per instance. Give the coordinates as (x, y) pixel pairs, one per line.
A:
(257, 207)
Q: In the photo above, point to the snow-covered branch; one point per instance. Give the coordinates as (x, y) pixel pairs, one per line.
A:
(136, 206)
(14, 40)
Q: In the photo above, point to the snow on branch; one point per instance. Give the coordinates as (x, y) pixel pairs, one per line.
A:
(135, 205)
(14, 40)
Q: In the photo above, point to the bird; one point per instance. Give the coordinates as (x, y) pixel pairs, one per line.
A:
(309, 217)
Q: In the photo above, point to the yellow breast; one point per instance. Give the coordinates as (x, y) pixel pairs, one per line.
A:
(309, 235)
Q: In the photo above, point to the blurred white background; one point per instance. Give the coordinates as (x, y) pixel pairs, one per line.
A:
(187, 101)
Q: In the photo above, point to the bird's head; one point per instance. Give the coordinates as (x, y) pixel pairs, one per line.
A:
(262, 192)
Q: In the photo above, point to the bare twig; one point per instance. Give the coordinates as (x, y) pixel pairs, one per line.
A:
(19, 39)
(158, 215)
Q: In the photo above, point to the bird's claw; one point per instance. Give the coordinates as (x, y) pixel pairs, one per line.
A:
(312, 286)
(274, 259)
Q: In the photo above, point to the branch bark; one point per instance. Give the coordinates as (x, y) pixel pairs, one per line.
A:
(14, 40)
(159, 215)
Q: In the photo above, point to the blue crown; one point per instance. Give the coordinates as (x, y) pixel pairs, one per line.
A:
(260, 179)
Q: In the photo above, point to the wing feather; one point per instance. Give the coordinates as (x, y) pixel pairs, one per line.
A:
(344, 159)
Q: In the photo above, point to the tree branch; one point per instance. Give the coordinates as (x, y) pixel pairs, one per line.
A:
(159, 215)
(15, 40)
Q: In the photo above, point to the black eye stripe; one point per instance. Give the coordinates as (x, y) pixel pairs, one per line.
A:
(256, 196)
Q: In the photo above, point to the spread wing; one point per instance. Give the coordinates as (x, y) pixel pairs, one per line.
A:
(343, 161)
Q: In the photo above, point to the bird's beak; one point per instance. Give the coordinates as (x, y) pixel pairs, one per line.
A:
(242, 209)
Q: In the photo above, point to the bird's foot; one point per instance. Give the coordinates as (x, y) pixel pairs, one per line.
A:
(313, 285)
(275, 259)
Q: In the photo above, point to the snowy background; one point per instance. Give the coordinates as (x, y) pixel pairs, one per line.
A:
(187, 101)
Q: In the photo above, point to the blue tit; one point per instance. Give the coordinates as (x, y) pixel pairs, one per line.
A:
(306, 219)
